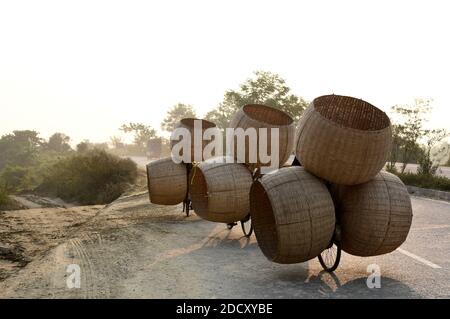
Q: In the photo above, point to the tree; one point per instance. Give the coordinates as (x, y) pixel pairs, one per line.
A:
(441, 153)
(448, 156)
(265, 88)
(176, 113)
(394, 155)
(426, 164)
(16, 178)
(4, 197)
(142, 133)
(59, 142)
(411, 129)
(116, 142)
(19, 148)
(83, 146)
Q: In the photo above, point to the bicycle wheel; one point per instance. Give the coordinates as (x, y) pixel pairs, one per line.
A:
(249, 232)
(330, 257)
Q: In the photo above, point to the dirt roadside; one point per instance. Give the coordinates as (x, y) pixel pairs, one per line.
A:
(26, 235)
(38, 244)
(39, 224)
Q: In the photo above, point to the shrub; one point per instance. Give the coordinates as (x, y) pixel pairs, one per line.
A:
(426, 181)
(4, 198)
(16, 178)
(89, 178)
(391, 168)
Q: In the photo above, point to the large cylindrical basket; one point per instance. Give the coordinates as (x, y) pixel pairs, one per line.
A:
(220, 191)
(343, 140)
(167, 182)
(375, 217)
(261, 116)
(195, 145)
(293, 215)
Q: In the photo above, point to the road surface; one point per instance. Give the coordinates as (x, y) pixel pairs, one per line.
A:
(133, 249)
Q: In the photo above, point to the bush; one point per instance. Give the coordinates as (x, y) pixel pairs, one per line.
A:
(16, 178)
(4, 198)
(89, 178)
(391, 168)
(426, 181)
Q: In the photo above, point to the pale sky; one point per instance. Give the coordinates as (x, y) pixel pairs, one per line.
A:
(86, 67)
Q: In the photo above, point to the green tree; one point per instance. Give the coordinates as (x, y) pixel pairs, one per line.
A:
(83, 146)
(441, 153)
(116, 142)
(142, 133)
(176, 113)
(4, 197)
(264, 88)
(16, 178)
(411, 128)
(432, 138)
(394, 155)
(19, 148)
(59, 142)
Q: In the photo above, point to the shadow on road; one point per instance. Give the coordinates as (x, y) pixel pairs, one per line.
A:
(329, 285)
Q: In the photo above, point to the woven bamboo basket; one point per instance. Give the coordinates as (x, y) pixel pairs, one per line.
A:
(293, 215)
(261, 116)
(375, 217)
(220, 191)
(167, 182)
(343, 140)
(188, 123)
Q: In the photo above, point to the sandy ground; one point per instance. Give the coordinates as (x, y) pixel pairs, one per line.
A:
(34, 201)
(134, 249)
(26, 235)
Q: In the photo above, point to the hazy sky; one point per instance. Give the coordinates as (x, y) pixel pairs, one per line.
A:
(86, 67)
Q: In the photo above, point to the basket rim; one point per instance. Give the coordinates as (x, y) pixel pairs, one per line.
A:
(189, 121)
(286, 116)
(388, 127)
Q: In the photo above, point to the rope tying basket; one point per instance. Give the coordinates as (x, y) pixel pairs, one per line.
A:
(261, 116)
(293, 215)
(375, 217)
(220, 191)
(166, 181)
(188, 123)
(343, 140)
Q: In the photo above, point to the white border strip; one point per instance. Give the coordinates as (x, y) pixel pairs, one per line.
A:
(420, 259)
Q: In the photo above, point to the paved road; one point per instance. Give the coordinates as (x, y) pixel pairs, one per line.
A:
(150, 251)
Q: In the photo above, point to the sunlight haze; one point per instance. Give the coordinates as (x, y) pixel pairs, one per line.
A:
(84, 68)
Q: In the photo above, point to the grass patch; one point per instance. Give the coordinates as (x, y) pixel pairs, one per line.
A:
(425, 181)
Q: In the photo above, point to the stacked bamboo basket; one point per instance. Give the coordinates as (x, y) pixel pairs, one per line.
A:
(337, 194)
(167, 180)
